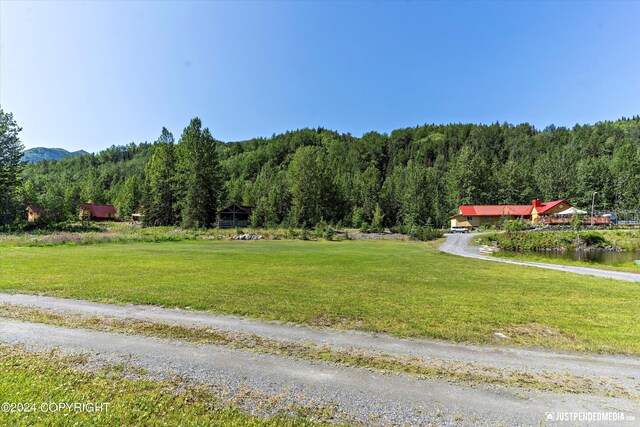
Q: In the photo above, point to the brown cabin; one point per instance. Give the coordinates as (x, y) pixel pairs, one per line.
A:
(34, 212)
(95, 212)
(234, 216)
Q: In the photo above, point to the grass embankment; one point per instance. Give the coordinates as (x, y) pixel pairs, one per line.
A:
(402, 288)
(33, 387)
(529, 246)
(519, 241)
(628, 267)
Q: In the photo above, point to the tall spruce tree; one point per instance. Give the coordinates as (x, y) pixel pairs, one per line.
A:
(200, 177)
(11, 150)
(159, 199)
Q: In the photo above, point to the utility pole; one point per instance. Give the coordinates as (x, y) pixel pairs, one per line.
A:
(593, 200)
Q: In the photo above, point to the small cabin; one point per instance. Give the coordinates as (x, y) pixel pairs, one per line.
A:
(34, 212)
(96, 212)
(137, 215)
(234, 216)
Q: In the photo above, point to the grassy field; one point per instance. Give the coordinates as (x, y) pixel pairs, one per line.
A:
(402, 288)
(32, 386)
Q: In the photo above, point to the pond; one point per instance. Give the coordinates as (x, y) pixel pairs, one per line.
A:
(598, 257)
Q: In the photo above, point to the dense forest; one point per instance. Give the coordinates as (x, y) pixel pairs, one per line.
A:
(413, 176)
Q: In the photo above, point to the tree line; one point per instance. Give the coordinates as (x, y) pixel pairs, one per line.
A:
(414, 176)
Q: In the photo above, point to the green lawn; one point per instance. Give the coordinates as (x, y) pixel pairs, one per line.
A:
(403, 288)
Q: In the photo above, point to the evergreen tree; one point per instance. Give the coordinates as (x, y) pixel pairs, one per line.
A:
(11, 150)
(128, 196)
(159, 199)
(200, 178)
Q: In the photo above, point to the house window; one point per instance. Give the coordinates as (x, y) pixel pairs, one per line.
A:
(488, 218)
(469, 218)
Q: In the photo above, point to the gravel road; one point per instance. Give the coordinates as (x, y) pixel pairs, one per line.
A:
(358, 393)
(460, 244)
(371, 397)
(494, 356)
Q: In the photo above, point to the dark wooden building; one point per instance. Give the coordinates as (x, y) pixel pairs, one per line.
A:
(234, 216)
(95, 212)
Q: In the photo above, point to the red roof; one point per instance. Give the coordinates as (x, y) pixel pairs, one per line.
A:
(99, 211)
(548, 205)
(509, 210)
(496, 210)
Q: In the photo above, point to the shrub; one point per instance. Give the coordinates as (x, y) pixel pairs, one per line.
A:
(400, 229)
(357, 218)
(513, 225)
(376, 223)
(593, 239)
(424, 233)
(322, 230)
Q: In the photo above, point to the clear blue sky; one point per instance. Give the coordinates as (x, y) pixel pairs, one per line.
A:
(86, 75)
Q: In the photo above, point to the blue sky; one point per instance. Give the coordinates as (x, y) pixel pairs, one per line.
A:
(86, 75)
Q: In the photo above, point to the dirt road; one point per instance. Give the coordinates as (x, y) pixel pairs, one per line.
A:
(461, 244)
(368, 396)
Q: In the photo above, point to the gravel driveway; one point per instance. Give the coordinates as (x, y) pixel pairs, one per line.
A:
(371, 397)
(461, 244)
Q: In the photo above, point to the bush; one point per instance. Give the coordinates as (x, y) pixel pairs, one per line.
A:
(593, 239)
(513, 225)
(424, 233)
(378, 218)
(357, 218)
(322, 230)
(400, 229)
(304, 235)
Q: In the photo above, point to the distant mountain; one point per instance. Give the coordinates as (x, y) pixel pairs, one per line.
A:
(34, 155)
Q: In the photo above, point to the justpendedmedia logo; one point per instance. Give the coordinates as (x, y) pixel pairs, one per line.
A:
(572, 416)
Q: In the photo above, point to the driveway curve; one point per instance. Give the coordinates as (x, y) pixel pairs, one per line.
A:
(461, 244)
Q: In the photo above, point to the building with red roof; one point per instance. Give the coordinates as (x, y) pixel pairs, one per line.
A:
(96, 212)
(473, 216)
